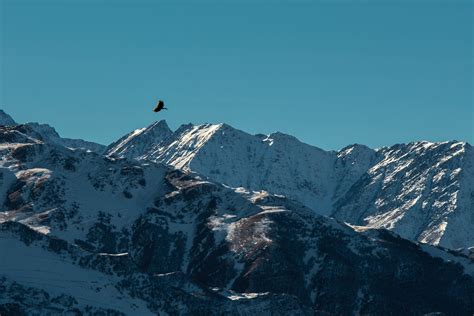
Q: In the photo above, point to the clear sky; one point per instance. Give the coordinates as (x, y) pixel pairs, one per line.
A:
(331, 74)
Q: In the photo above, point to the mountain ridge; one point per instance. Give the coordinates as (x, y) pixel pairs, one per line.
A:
(320, 179)
(45, 132)
(76, 225)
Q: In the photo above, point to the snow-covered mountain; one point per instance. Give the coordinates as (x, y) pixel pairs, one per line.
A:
(278, 163)
(82, 233)
(140, 141)
(423, 191)
(45, 132)
(49, 134)
(86, 233)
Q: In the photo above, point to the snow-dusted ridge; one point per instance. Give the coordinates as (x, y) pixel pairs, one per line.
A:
(140, 140)
(147, 236)
(421, 190)
(47, 133)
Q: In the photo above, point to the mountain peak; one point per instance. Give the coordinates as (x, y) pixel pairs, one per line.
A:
(6, 119)
(162, 125)
(44, 131)
(355, 150)
(140, 140)
(279, 136)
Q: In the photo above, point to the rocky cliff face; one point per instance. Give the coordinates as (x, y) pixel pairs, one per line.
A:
(86, 233)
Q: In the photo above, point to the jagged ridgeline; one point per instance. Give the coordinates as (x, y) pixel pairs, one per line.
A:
(209, 220)
(422, 190)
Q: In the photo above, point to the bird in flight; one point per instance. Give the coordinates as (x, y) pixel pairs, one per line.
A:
(160, 106)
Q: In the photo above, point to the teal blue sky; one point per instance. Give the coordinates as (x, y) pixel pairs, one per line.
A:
(329, 73)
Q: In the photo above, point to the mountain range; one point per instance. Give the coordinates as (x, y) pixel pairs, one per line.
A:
(210, 220)
(423, 191)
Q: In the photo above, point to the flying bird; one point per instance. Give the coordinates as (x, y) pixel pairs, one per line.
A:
(160, 106)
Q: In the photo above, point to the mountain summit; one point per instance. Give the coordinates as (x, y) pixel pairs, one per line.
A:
(422, 190)
(210, 220)
(140, 141)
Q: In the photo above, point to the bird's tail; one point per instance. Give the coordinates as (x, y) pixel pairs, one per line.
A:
(165, 108)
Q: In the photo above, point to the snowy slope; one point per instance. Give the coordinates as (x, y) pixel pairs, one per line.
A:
(421, 190)
(140, 141)
(147, 238)
(278, 162)
(96, 211)
(60, 276)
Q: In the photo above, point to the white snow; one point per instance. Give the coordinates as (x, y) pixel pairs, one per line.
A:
(239, 296)
(124, 142)
(34, 267)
